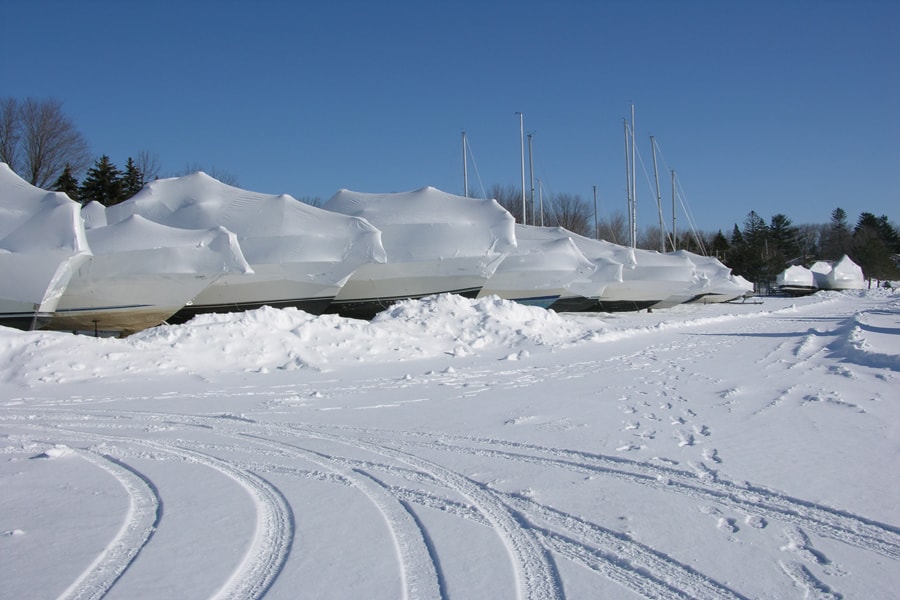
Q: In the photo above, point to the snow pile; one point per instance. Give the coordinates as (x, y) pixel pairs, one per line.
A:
(269, 339)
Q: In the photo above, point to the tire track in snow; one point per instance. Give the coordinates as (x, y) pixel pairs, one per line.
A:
(829, 522)
(636, 566)
(536, 574)
(537, 578)
(274, 531)
(141, 520)
(823, 520)
(419, 567)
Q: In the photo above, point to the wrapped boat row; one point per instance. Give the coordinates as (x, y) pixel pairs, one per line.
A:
(843, 274)
(189, 245)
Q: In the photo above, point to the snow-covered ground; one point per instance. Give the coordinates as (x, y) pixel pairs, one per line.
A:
(460, 449)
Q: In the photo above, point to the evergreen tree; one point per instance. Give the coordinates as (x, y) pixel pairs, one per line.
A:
(102, 183)
(750, 254)
(837, 242)
(67, 183)
(783, 239)
(720, 246)
(889, 234)
(132, 180)
(737, 237)
(756, 232)
(872, 239)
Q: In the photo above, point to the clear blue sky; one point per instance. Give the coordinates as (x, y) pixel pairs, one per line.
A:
(774, 106)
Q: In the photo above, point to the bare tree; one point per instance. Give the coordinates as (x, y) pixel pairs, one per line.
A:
(10, 132)
(148, 164)
(510, 198)
(48, 141)
(311, 200)
(613, 229)
(571, 212)
(648, 239)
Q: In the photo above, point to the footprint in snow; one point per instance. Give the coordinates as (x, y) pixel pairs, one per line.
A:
(727, 525)
(702, 430)
(684, 439)
(712, 454)
(755, 521)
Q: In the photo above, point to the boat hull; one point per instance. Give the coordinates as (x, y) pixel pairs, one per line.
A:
(308, 286)
(376, 286)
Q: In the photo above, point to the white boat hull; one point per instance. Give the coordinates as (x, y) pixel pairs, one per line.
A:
(376, 286)
(308, 286)
(34, 284)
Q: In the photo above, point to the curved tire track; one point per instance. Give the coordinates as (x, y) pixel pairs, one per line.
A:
(272, 537)
(141, 520)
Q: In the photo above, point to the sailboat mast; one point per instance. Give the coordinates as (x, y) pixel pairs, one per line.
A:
(465, 166)
(674, 230)
(662, 227)
(541, 196)
(629, 191)
(531, 174)
(522, 147)
(627, 175)
(633, 186)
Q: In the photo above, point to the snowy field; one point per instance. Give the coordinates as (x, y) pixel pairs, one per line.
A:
(460, 449)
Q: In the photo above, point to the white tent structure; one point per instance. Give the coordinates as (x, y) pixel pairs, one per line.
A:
(141, 273)
(626, 278)
(42, 242)
(584, 291)
(537, 272)
(435, 243)
(841, 275)
(796, 280)
(652, 280)
(716, 281)
(301, 255)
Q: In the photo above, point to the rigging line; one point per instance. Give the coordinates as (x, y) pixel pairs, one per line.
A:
(650, 185)
(475, 165)
(550, 200)
(682, 200)
(684, 206)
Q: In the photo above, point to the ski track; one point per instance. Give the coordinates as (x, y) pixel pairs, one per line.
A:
(532, 533)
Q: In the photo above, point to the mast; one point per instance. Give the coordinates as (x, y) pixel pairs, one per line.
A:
(662, 236)
(633, 186)
(465, 166)
(541, 196)
(674, 231)
(627, 177)
(596, 228)
(531, 173)
(522, 146)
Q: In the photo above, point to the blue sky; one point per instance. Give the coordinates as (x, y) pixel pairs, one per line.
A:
(774, 106)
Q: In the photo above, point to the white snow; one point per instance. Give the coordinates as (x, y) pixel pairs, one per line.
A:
(455, 448)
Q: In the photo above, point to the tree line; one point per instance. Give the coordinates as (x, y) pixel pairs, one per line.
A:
(40, 143)
(758, 251)
(43, 146)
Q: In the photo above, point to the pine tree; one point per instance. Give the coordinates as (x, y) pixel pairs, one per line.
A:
(67, 183)
(837, 242)
(102, 183)
(132, 180)
(720, 246)
(783, 236)
(872, 240)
